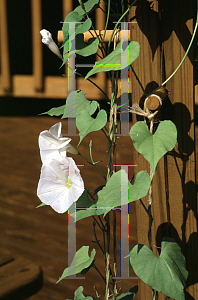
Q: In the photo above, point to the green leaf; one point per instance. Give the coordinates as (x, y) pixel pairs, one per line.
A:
(55, 111)
(80, 104)
(81, 48)
(71, 17)
(86, 124)
(89, 5)
(86, 208)
(112, 61)
(154, 146)
(42, 204)
(80, 28)
(167, 273)
(78, 295)
(111, 193)
(84, 49)
(129, 295)
(81, 262)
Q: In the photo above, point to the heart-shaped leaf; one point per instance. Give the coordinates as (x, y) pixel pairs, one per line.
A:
(77, 102)
(154, 146)
(166, 273)
(80, 262)
(111, 195)
(86, 124)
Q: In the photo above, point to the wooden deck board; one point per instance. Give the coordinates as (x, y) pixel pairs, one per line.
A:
(41, 234)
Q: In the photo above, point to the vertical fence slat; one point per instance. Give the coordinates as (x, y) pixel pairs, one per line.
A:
(174, 206)
(4, 50)
(37, 45)
(181, 166)
(148, 68)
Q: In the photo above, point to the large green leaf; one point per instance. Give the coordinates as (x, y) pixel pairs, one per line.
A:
(86, 208)
(80, 262)
(86, 124)
(78, 102)
(113, 60)
(78, 295)
(167, 273)
(154, 146)
(110, 196)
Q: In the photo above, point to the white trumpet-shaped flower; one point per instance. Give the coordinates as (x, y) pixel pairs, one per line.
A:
(60, 183)
(52, 143)
(48, 40)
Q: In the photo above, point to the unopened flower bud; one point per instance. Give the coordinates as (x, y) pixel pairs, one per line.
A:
(48, 40)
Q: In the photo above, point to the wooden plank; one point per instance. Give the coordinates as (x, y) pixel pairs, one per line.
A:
(56, 87)
(20, 278)
(37, 59)
(5, 259)
(148, 68)
(41, 234)
(174, 206)
(5, 79)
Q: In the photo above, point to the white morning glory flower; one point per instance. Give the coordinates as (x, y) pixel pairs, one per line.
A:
(48, 40)
(52, 143)
(60, 183)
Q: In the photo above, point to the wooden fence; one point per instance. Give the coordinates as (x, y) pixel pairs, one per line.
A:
(164, 30)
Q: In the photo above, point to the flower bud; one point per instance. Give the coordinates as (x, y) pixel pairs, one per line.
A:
(48, 40)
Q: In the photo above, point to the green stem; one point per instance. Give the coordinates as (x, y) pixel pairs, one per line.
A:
(99, 273)
(101, 48)
(95, 85)
(105, 133)
(138, 81)
(107, 21)
(97, 241)
(189, 46)
(97, 223)
(93, 164)
(117, 24)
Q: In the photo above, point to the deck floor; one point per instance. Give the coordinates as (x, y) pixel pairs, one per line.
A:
(41, 234)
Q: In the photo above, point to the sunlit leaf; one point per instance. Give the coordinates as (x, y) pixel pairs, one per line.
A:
(111, 195)
(154, 146)
(86, 124)
(77, 102)
(113, 60)
(55, 111)
(80, 262)
(166, 273)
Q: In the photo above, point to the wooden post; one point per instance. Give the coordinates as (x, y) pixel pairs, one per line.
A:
(37, 45)
(5, 77)
(164, 34)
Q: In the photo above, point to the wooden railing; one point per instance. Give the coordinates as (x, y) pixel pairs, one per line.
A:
(37, 85)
